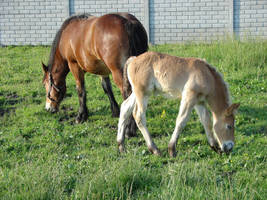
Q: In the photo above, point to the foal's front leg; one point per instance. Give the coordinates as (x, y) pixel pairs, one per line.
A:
(186, 106)
(78, 74)
(204, 116)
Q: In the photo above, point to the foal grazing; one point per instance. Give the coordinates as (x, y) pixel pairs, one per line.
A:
(98, 45)
(192, 79)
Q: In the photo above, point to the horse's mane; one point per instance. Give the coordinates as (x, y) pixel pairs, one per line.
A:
(218, 76)
(58, 36)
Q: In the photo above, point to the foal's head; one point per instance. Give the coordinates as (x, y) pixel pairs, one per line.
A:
(224, 129)
(55, 89)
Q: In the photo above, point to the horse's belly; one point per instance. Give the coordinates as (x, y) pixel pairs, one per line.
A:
(97, 67)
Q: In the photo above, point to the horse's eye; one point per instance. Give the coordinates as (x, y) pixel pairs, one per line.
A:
(229, 127)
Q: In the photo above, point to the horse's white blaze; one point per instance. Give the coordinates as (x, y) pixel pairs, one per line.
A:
(47, 105)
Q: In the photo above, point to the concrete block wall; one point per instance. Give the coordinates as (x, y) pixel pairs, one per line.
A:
(101, 7)
(250, 18)
(35, 22)
(195, 20)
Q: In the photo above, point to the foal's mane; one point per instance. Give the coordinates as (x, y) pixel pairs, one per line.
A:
(58, 36)
(218, 76)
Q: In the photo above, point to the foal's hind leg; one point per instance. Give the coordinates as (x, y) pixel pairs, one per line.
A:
(78, 74)
(126, 112)
(130, 129)
(108, 90)
(139, 114)
(187, 102)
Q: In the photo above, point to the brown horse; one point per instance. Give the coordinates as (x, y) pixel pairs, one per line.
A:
(193, 80)
(98, 45)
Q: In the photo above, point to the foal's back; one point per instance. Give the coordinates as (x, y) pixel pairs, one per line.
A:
(156, 72)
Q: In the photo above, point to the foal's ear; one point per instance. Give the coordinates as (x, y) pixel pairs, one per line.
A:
(232, 109)
(45, 68)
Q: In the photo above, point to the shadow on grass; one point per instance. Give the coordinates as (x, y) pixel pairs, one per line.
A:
(8, 102)
(251, 121)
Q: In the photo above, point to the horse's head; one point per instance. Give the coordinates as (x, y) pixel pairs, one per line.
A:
(55, 89)
(224, 129)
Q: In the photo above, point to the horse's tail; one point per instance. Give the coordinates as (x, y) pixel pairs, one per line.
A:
(127, 89)
(138, 44)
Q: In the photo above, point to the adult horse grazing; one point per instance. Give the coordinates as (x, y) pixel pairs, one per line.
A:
(98, 45)
(192, 79)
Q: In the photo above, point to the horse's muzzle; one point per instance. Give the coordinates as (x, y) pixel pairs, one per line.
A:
(50, 108)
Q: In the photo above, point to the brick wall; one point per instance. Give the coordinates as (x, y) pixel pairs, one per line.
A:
(35, 22)
(250, 18)
(30, 21)
(194, 20)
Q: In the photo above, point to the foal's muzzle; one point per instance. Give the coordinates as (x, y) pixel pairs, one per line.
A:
(227, 146)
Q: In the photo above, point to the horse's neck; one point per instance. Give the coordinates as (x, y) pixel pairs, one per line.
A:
(59, 70)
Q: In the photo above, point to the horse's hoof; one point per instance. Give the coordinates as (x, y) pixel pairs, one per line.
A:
(81, 118)
(116, 114)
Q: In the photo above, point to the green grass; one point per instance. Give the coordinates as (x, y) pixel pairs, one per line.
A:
(48, 156)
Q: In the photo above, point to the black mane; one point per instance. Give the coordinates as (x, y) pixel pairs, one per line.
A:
(58, 36)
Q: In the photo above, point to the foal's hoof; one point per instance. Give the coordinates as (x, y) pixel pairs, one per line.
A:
(216, 148)
(81, 118)
(172, 151)
(121, 148)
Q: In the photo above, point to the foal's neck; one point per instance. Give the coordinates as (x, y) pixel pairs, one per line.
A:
(219, 98)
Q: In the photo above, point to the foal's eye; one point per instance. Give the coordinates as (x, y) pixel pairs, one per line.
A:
(229, 127)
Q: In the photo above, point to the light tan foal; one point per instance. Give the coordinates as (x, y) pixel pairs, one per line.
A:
(191, 79)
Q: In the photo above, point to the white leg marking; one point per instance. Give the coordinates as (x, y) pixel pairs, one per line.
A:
(125, 113)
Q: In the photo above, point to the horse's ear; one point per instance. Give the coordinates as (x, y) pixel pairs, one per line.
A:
(45, 68)
(232, 109)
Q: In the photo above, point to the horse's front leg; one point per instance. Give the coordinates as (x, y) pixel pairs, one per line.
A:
(78, 74)
(108, 90)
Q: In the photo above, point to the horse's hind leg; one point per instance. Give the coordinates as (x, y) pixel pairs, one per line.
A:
(139, 114)
(187, 102)
(126, 112)
(78, 74)
(108, 90)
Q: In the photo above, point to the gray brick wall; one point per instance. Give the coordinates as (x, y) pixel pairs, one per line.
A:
(35, 22)
(30, 21)
(250, 18)
(195, 20)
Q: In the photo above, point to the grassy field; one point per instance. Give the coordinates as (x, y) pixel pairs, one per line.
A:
(48, 156)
